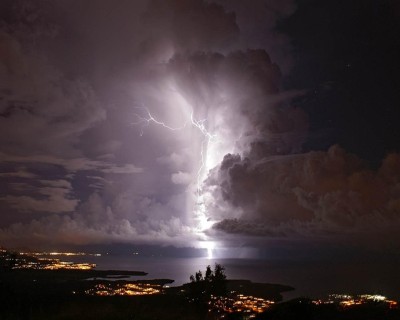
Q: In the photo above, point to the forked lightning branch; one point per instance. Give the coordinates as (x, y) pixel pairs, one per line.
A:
(147, 118)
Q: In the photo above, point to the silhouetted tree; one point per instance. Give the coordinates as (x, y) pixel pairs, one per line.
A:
(209, 274)
(213, 283)
(219, 272)
(219, 281)
(199, 276)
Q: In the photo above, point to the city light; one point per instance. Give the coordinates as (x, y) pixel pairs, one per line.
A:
(248, 305)
(125, 289)
(346, 300)
(32, 261)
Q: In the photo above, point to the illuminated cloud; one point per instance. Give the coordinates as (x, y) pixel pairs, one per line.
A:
(316, 193)
(181, 178)
(80, 164)
(52, 196)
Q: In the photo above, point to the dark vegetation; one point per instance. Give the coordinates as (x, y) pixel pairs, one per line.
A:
(214, 283)
(202, 287)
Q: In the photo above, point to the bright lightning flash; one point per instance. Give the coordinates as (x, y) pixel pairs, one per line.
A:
(208, 138)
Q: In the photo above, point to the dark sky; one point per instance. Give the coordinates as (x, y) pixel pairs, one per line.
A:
(346, 54)
(267, 126)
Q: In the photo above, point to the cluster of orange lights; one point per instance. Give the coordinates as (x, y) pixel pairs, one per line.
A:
(55, 253)
(125, 289)
(60, 265)
(249, 305)
(51, 264)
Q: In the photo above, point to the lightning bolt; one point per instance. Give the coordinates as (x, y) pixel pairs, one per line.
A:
(208, 138)
(146, 120)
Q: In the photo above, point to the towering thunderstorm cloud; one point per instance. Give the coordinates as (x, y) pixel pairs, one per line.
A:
(164, 122)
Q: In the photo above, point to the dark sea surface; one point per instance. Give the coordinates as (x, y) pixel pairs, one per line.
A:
(310, 279)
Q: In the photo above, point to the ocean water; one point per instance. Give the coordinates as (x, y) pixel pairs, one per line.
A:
(310, 278)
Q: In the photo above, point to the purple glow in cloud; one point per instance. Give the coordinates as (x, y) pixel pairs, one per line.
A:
(138, 122)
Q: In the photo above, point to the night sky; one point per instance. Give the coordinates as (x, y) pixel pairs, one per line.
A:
(247, 128)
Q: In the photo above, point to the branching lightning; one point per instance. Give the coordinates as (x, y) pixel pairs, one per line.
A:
(209, 138)
(200, 215)
(145, 121)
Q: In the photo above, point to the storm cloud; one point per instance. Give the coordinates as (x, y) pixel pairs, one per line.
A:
(312, 193)
(119, 120)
